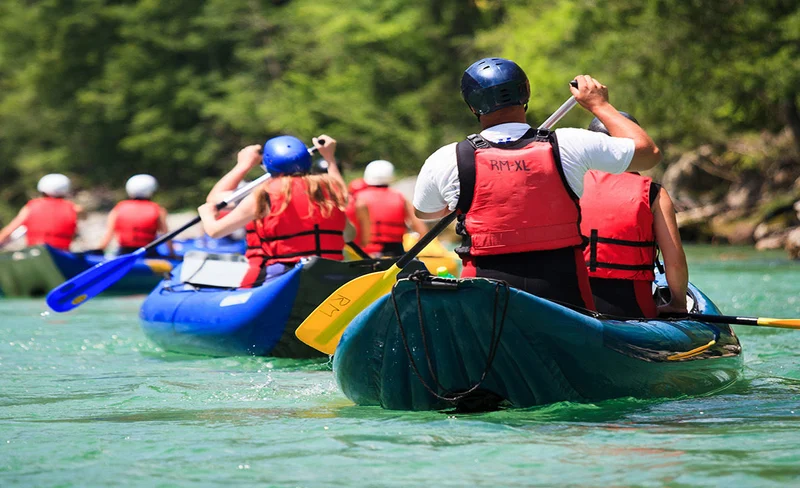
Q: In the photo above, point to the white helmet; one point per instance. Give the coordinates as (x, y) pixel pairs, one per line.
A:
(379, 173)
(141, 186)
(54, 185)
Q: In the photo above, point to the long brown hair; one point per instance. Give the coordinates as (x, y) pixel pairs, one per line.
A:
(323, 191)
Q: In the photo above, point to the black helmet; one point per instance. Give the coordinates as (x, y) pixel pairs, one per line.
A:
(597, 126)
(494, 83)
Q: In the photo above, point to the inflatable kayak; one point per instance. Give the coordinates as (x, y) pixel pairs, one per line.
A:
(477, 344)
(189, 314)
(224, 245)
(34, 271)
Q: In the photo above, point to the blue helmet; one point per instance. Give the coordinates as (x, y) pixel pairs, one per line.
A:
(494, 83)
(597, 126)
(286, 155)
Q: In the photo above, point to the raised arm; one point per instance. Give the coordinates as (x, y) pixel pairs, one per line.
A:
(247, 159)
(13, 225)
(240, 216)
(326, 146)
(109, 234)
(668, 239)
(593, 96)
(364, 225)
(413, 222)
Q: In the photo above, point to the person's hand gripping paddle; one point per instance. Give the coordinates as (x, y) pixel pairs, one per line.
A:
(324, 327)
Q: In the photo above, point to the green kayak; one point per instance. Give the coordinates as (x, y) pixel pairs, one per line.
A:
(477, 344)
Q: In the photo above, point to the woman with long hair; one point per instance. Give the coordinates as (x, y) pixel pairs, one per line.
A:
(295, 214)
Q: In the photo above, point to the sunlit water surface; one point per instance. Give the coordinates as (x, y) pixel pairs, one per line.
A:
(87, 400)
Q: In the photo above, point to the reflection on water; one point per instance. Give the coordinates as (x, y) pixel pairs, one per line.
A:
(86, 400)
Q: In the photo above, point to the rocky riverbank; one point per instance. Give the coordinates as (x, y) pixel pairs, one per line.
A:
(746, 191)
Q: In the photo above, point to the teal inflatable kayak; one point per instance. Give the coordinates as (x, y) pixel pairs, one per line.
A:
(477, 344)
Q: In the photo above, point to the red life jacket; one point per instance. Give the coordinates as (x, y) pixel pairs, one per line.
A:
(52, 221)
(300, 230)
(619, 222)
(520, 200)
(136, 224)
(387, 216)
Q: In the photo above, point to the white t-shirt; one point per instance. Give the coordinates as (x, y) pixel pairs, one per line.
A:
(581, 150)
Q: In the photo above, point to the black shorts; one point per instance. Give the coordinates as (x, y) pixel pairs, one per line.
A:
(559, 275)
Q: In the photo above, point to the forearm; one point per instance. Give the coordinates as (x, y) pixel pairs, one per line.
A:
(678, 281)
(12, 226)
(646, 154)
(227, 183)
(236, 219)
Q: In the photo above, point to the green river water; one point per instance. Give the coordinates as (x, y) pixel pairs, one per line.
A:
(87, 400)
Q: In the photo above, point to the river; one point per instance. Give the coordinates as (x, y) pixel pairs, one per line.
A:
(87, 400)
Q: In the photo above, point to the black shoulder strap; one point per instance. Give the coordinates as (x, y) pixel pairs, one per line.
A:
(465, 158)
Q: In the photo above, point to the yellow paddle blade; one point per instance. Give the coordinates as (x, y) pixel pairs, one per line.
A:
(782, 323)
(324, 327)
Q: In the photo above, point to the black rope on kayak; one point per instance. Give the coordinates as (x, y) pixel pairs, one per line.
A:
(494, 343)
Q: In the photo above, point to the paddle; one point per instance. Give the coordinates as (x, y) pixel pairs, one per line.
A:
(732, 319)
(93, 281)
(324, 327)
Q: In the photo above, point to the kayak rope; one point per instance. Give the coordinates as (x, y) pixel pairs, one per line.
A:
(494, 343)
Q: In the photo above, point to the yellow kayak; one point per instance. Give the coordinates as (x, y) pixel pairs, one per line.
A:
(435, 255)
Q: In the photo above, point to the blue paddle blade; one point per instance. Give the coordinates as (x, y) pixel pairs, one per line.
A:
(87, 285)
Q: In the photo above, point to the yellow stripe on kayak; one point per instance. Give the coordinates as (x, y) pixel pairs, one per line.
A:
(158, 266)
(692, 353)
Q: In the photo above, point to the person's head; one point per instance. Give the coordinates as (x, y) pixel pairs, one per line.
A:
(596, 126)
(286, 155)
(54, 185)
(141, 187)
(379, 173)
(492, 85)
(287, 158)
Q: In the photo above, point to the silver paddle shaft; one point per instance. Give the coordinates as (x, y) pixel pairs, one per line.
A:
(559, 114)
(242, 192)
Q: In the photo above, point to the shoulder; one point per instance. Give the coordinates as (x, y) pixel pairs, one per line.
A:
(580, 137)
(443, 160)
(443, 155)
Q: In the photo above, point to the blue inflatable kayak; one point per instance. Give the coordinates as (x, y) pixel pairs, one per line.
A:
(257, 321)
(222, 245)
(34, 271)
(482, 345)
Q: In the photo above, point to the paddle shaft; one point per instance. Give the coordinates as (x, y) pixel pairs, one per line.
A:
(732, 319)
(236, 197)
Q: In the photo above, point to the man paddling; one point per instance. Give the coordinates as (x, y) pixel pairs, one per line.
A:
(517, 188)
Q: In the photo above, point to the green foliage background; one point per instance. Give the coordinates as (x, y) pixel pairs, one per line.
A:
(103, 89)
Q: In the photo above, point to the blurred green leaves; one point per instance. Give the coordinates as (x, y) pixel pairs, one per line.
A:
(103, 89)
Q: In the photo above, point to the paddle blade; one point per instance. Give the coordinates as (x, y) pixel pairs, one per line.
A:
(87, 285)
(324, 327)
(782, 323)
